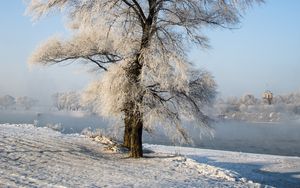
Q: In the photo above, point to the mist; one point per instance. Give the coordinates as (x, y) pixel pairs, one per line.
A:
(41, 83)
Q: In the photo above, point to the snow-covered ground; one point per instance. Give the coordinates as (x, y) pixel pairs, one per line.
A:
(41, 157)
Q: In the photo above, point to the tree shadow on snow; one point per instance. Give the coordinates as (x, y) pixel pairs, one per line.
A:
(155, 156)
(255, 172)
(78, 150)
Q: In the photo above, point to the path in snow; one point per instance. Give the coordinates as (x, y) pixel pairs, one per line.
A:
(36, 157)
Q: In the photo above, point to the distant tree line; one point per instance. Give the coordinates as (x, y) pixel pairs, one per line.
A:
(8, 102)
(244, 108)
(250, 108)
(67, 101)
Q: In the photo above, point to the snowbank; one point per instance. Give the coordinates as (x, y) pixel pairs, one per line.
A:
(31, 156)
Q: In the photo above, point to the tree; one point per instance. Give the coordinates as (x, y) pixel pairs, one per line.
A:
(66, 101)
(141, 46)
(248, 99)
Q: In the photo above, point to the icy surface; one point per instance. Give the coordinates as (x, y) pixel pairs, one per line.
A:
(31, 156)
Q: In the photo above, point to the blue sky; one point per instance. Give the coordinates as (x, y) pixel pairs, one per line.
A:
(263, 54)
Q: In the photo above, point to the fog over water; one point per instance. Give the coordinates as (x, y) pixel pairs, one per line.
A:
(268, 138)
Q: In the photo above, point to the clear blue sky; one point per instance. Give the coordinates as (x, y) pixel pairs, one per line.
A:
(263, 54)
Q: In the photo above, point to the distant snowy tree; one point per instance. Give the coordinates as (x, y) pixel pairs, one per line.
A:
(248, 99)
(56, 98)
(66, 101)
(142, 47)
(233, 100)
(7, 101)
(278, 99)
(26, 102)
(231, 105)
(292, 98)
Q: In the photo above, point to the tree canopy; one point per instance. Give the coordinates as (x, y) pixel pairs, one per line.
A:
(141, 47)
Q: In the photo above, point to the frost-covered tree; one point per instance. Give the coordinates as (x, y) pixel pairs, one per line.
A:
(248, 99)
(141, 46)
(66, 101)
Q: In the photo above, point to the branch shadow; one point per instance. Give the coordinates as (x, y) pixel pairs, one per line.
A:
(77, 150)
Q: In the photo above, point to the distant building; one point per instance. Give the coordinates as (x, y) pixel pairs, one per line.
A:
(268, 97)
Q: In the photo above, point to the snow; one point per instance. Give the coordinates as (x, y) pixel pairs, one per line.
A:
(273, 170)
(41, 157)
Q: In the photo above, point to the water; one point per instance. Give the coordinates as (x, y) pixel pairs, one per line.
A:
(70, 122)
(266, 138)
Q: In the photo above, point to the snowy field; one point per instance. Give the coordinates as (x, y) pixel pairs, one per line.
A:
(41, 157)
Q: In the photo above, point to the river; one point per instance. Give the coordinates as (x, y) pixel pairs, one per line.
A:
(267, 138)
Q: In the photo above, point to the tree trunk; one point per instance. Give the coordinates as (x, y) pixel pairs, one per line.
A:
(127, 130)
(133, 118)
(136, 149)
(133, 133)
